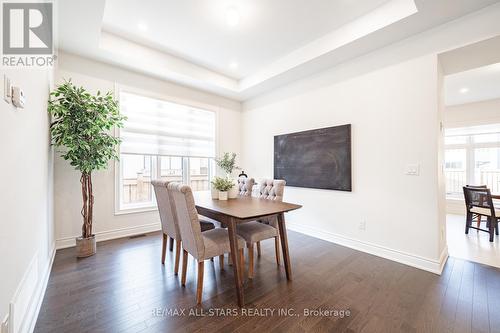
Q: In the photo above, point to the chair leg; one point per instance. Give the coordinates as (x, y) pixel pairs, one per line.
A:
(177, 256)
(199, 288)
(250, 260)
(184, 267)
(229, 260)
(491, 228)
(479, 221)
(221, 262)
(468, 221)
(171, 245)
(496, 227)
(242, 265)
(163, 249)
(277, 249)
(258, 249)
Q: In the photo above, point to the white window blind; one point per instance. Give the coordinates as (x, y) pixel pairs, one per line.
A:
(158, 127)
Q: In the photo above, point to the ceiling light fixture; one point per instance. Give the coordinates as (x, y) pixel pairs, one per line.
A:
(142, 26)
(234, 65)
(232, 16)
(464, 90)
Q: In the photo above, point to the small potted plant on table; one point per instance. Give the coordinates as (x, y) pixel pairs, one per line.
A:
(222, 185)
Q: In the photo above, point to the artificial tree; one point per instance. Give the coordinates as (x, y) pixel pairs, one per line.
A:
(82, 124)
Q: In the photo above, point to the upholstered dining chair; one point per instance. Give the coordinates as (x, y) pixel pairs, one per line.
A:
(256, 231)
(201, 245)
(169, 224)
(245, 186)
(479, 201)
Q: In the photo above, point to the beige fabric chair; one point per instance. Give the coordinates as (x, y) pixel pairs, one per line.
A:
(168, 218)
(169, 224)
(256, 231)
(201, 246)
(245, 186)
(271, 189)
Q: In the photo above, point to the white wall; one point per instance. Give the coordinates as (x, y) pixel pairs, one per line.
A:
(98, 76)
(394, 117)
(391, 97)
(471, 114)
(26, 214)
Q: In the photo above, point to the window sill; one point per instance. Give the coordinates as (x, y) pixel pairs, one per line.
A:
(137, 210)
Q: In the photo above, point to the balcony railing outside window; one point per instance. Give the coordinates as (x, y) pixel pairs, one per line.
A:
(472, 157)
(136, 186)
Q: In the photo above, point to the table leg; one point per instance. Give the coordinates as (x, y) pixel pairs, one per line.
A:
(284, 245)
(233, 240)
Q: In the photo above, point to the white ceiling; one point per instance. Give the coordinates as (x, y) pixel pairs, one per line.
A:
(474, 85)
(278, 41)
(196, 29)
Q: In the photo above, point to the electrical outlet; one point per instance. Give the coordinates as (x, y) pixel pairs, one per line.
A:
(412, 170)
(7, 89)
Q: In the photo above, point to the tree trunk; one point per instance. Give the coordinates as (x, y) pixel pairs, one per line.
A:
(88, 204)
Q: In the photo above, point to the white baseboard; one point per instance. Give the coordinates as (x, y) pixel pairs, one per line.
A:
(38, 300)
(63, 243)
(430, 265)
(25, 305)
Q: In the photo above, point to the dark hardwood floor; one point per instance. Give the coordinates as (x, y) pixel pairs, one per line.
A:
(124, 288)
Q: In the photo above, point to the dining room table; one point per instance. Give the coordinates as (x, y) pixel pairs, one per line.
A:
(243, 209)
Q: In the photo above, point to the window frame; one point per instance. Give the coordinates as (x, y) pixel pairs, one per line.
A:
(152, 206)
(470, 146)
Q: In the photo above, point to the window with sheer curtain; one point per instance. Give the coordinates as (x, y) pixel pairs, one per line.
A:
(472, 156)
(162, 140)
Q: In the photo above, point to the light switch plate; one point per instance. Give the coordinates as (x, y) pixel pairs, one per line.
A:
(7, 89)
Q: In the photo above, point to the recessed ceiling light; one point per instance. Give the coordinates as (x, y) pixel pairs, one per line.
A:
(464, 90)
(234, 65)
(232, 16)
(142, 26)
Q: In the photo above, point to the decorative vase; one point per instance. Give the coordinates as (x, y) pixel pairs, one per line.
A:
(222, 195)
(85, 247)
(215, 193)
(233, 192)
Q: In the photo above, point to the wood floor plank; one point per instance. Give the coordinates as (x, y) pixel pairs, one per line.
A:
(125, 288)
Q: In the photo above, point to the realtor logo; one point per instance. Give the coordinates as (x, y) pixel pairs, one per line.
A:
(28, 34)
(27, 28)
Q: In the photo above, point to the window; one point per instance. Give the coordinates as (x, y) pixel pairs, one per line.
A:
(162, 140)
(472, 156)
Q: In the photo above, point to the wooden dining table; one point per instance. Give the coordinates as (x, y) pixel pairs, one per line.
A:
(243, 209)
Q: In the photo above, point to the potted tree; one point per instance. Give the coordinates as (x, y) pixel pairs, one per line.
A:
(82, 125)
(227, 163)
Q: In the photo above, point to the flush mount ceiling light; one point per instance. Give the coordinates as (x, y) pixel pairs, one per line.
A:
(232, 16)
(234, 65)
(142, 26)
(464, 90)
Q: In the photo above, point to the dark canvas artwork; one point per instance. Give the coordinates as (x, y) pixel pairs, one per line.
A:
(319, 158)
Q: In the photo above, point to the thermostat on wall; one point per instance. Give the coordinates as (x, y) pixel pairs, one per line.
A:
(18, 97)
